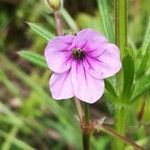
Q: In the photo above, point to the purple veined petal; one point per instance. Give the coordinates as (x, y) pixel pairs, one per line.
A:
(103, 63)
(57, 54)
(85, 87)
(59, 62)
(60, 43)
(88, 39)
(61, 85)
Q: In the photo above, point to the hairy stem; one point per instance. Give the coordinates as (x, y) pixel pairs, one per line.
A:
(120, 126)
(121, 41)
(84, 116)
(121, 20)
(86, 134)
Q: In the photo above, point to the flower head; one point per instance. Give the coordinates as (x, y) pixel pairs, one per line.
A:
(80, 64)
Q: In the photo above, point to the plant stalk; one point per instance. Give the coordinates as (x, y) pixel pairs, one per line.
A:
(121, 113)
(84, 116)
(120, 126)
(79, 109)
(58, 20)
(121, 20)
(86, 134)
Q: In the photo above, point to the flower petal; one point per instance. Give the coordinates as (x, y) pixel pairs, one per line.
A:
(88, 39)
(61, 85)
(58, 54)
(103, 63)
(60, 43)
(85, 87)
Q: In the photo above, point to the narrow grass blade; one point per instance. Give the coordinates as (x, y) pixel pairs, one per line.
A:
(105, 16)
(6, 111)
(6, 81)
(33, 58)
(146, 41)
(20, 144)
(41, 31)
(7, 64)
(69, 20)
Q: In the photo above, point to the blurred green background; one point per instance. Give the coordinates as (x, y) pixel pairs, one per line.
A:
(29, 118)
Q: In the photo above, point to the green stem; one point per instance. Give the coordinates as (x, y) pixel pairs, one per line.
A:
(86, 113)
(86, 141)
(121, 41)
(120, 126)
(86, 135)
(121, 20)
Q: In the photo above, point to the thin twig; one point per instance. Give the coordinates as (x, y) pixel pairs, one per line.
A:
(113, 133)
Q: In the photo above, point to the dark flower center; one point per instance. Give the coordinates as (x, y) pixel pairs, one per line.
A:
(78, 53)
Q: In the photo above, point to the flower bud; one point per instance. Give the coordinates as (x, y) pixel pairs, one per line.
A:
(55, 5)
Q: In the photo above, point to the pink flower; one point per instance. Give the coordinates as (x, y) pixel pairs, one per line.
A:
(80, 64)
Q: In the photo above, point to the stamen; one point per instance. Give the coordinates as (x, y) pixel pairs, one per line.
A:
(78, 53)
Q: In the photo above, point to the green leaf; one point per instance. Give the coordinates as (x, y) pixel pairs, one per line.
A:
(143, 66)
(41, 31)
(146, 40)
(33, 58)
(110, 89)
(142, 85)
(105, 17)
(128, 70)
